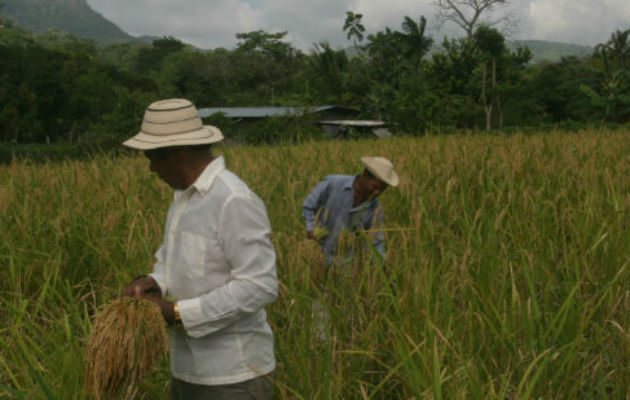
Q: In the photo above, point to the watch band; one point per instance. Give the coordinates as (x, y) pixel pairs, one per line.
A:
(178, 317)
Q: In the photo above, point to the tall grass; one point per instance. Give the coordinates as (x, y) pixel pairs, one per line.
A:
(506, 276)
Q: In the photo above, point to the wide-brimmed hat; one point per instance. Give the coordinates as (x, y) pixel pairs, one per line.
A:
(173, 122)
(382, 169)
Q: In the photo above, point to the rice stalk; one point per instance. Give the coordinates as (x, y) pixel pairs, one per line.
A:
(128, 337)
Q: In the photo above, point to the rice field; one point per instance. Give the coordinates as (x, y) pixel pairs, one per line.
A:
(507, 273)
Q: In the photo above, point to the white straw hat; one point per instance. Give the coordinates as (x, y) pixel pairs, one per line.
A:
(173, 122)
(382, 169)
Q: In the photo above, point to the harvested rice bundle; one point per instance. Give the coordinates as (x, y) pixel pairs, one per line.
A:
(128, 337)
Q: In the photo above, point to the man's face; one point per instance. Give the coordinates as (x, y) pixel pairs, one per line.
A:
(164, 163)
(373, 186)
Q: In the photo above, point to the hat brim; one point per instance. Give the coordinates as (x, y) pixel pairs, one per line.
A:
(392, 180)
(206, 135)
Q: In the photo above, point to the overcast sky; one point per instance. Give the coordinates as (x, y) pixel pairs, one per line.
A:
(213, 23)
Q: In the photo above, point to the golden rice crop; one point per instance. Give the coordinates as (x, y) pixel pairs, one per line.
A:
(128, 336)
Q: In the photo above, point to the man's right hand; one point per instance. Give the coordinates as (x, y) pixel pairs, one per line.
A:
(144, 286)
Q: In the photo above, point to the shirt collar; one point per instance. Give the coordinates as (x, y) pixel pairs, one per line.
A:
(350, 182)
(204, 181)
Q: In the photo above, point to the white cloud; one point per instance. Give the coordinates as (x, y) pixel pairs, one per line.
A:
(202, 23)
(585, 21)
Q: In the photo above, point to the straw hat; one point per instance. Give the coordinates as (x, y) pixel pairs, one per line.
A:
(173, 122)
(381, 168)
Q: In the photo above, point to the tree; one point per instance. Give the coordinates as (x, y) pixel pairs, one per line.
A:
(616, 52)
(150, 58)
(415, 43)
(264, 68)
(469, 14)
(329, 67)
(264, 42)
(492, 45)
(397, 85)
(610, 92)
(353, 27)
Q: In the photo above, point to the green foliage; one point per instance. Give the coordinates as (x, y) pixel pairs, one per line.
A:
(56, 91)
(489, 41)
(610, 94)
(330, 70)
(265, 43)
(59, 88)
(150, 58)
(277, 130)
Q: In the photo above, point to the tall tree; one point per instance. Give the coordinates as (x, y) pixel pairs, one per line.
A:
(469, 14)
(264, 67)
(610, 91)
(415, 44)
(616, 51)
(353, 27)
(329, 66)
(492, 45)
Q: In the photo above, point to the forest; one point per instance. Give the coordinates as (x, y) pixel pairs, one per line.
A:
(57, 88)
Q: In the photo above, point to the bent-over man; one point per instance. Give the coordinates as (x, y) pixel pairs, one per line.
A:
(349, 203)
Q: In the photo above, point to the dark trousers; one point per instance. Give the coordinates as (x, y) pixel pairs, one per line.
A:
(259, 388)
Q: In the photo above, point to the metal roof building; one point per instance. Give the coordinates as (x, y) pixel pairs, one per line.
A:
(263, 112)
(336, 121)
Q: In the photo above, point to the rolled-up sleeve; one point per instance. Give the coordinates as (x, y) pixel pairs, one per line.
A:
(159, 270)
(246, 238)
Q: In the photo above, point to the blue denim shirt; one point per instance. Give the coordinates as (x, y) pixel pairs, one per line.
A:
(331, 203)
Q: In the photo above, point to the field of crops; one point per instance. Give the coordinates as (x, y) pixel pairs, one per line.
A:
(507, 274)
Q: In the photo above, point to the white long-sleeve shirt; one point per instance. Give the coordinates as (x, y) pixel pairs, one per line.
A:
(218, 263)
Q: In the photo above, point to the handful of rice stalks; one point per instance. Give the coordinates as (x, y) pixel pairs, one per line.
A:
(128, 337)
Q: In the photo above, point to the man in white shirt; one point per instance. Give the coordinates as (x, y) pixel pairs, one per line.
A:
(215, 270)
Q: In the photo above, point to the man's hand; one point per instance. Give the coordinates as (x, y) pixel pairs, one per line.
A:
(144, 286)
(147, 288)
(167, 308)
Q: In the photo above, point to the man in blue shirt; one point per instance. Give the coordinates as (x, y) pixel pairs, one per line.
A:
(349, 203)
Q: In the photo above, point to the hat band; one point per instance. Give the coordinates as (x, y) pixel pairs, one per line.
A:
(164, 116)
(171, 128)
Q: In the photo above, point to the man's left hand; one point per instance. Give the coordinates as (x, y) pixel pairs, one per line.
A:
(167, 308)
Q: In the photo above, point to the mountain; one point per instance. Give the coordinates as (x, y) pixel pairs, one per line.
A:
(541, 50)
(71, 16)
(551, 51)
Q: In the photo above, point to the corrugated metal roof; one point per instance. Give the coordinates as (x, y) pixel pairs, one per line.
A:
(354, 122)
(261, 112)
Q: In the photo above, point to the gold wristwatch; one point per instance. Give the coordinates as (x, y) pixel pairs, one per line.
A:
(178, 317)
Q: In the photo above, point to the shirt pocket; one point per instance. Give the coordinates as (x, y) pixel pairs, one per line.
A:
(193, 254)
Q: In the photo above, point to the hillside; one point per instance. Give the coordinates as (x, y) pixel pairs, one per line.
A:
(552, 51)
(72, 16)
(541, 50)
